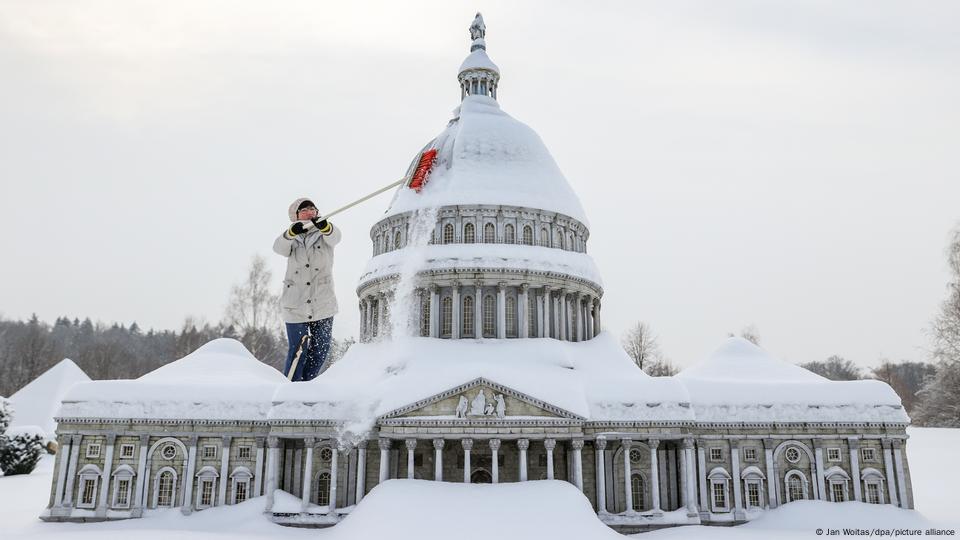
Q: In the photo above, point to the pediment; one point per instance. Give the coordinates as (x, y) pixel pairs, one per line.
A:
(482, 399)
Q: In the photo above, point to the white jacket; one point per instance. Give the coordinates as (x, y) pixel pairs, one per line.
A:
(308, 293)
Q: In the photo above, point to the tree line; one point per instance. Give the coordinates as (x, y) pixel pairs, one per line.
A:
(120, 351)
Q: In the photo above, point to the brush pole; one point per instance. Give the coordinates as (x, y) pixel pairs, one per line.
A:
(358, 201)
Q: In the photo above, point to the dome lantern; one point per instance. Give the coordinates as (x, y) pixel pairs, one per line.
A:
(478, 74)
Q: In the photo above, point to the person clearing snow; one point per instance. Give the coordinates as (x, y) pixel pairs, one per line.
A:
(308, 302)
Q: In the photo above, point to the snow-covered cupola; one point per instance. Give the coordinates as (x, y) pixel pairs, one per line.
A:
(478, 74)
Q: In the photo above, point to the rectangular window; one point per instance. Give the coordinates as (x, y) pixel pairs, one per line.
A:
(88, 492)
(833, 454)
(93, 450)
(749, 453)
(838, 492)
(243, 452)
(240, 492)
(126, 450)
(719, 495)
(209, 452)
(873, 492)
(716, 454)
(753, 494)
(868, 454)
(122, 500)
(206, 492)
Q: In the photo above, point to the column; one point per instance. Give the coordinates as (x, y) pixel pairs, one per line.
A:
(901, 475)
(224, 472)
(434, 311)
(501, 310)
(385, 458)
(455, 319)
(66, 449)
(495, 459)
(138, 495)
(309, 442)
(682, 479)
(438, 459)
(523, 306)
(891, 478)
(562, 319)
(549, 444)
(577, 445)
(768, 445)
(654, 475)
(627, 474)
(523, 445)
(411, 445)
(545, 330)
(738, 512)
(72, 469)
(579, 310)
(854, 444)
(599, 447)
(702, 481)
(690, 479)
(334, 464)
(818, 460)
(467, 445)
(588, 317)
(478, 310)
(598, 326)
(273, 452)
(105, 475)
(188, 477)
(384, 314)
(258, 473)
(361, 469)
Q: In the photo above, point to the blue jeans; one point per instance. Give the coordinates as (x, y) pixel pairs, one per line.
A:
(309, 344)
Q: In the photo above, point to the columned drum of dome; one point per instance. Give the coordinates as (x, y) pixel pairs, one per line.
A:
(507, 231)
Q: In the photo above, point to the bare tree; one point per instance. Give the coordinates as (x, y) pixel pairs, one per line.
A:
(641, 344)
(906, 379)
(252, 305)
(835, 368)
(661, 367)
(751, 334)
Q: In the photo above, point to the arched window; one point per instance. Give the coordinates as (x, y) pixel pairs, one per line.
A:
(511, 317)
(796, 484)
(636, 492)
(544, 237)
(837, 481)
(489, 233)
(527, 235)
(386, 242)
(206, 487)
(446, 310)
(753, 479)
(570, 245)
(719, 480)
(469, 234)
(241, 484)
(323, 489)
(122, 480)
(557, 240)
(166, 484)
(448, 233)
(489, 312)
(508, 236)
(376, 244)
(466, 314)
(89, 482)
(425, 315)
(396, 240)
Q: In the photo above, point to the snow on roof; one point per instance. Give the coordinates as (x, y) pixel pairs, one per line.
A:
(478, 59)
(220, 380)
(36, 403)
(593, 379)
(486, 157)
(486, 256)
(741, 382)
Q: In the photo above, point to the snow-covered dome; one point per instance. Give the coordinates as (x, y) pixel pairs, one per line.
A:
(478, 59)
(739, 359)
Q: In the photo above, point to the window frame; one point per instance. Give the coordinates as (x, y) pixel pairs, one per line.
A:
(467, 311)
(872, 454)
(750, 454)
(85, 480)
(94, 450)
(747, 484)
(245, 449)
(716, 458)
(839, 456)
(124, 447)
(172, 473)
(212, 448)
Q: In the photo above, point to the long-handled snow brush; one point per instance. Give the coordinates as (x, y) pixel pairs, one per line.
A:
(415, 181)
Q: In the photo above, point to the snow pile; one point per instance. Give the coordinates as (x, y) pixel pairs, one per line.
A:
(486, 157)
(741, 382)
(219, 381)
(36, 403)
(426, 510)
(592, 379)
(478, 59)
(465, 257)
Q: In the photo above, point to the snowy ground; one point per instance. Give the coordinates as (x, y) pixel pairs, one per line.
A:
(421, 509)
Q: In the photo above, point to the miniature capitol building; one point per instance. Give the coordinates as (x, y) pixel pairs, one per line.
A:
(495, 371)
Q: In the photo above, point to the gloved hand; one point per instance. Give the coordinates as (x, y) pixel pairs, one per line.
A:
(319, 223)
(296, 228)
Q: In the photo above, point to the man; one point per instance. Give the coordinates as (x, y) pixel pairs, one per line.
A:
(307, 303)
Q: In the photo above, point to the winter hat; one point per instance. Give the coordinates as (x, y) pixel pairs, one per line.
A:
(298, 205)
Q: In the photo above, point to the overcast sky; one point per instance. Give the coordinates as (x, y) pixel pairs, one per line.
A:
(793, 166)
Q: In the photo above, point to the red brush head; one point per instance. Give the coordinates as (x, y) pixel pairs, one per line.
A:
(423, 170)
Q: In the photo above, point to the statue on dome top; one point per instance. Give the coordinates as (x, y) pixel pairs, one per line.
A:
(477, 29)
